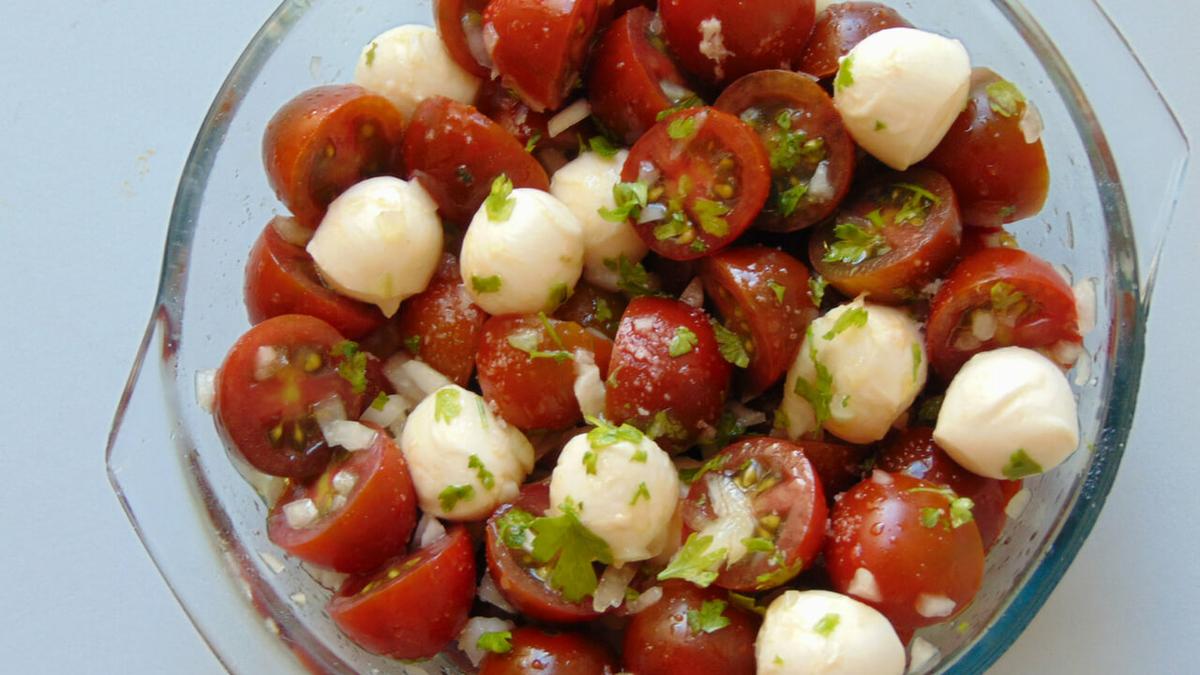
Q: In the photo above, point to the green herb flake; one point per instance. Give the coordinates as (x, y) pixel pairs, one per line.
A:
(759, 545)
(1021, 465)
(370, 56)
(959, 509)
(685, 103)
(491, 284)
(731, 346)
(695, 562)
(486, 479)
(558, 295)
(530, 341)
(779, 576)
(827, 624)
(380, 401)
(746, 602)
(496, 642)
(711, 215)
(569, 549)
(1005, 297)
(710, 619)
(845, 74)
(499, 202)
(413, 344)
(683, 342)
(606, 435)
(642, 492)
(531, 145)
(682, 127)
(880, 125)
(353, 365)
(819, 394)
(789, 199)
(917, 357)
(716, 463)
(665, 426)
(603, 147)
(930, 516)
(513, 525)
(1005, 98)
(632, 278)
(855, 317)
(916, 207)
(453, 494)
(446, 405)
(855, 244)
(816, 289)
(630, 199)
(676, 225)
(603, 312)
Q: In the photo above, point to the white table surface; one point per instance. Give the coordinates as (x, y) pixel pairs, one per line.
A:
(99, 103)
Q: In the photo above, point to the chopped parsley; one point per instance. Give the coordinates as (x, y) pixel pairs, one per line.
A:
(606, 435)
(759, 544)
(665, 426)
(499, 202)
(682, 127)
(1020, 465)
(855, 317)
(695, 562)
(675, 225)
(486, 479)
(353, 366)
(683, 342)
(731, 346)
(880, 125)
(413, 344)
(642, 492)
(685, 103)
(530, 342)
(453, 494)
(728, 428)
(570, 549)
(531, 145)
(712, 216)
(1005, 297)
(603, 147)
(630, 199)
(816, 289)
(917, 358)
(916, 207)
(513, 525)
(930, 516)
(603, 313)
(789, 199)
(827, 624)
(779, 576)
(778, 289)
(791, 147)
(632, 278)
(957, 513)
(380, 402)
(496, 642)
(370, 56)
(747, 602)
(819, 394)
(856, 243)
(1005, 98)
(845, 74)
(558, 295)
(717, 463)
(446, 405)
(710, 619)
(491, 284)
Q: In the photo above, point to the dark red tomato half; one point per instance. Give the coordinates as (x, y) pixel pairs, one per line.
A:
(268, 387)
(918, 568)
(324, 141)
(531, 128)
(998, 175)
(413, 606)
(900, 235)
(540, 46)
(719, 41)
(811, 154)
(708, 177)
(367, 511)
(839, 29)
(838, 465)
(999, 297)
(456, 152)
(594, 308)
(633, 79)
(611, 9)
(442, 326)
(527, 369)
(671, 637)
(460, 24)
(517, 574)
(667, 375)
(538, 652)
(788, 504)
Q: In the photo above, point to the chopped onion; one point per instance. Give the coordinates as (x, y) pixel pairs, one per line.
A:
(1031, 123)
(490, 38)
(329, 411)
(645, 601)
(325, 577)
(674, 92)
(648, 173)
(344, 481)
(301, 513)
(468, 639)
(983, 324)
(412, 379)
(1085, 304)
(299, 598)
(881, 477)
(338, 503)
(569, 116)
(270, 488)
(392, 416)
(267, 362)
(490, 593)
(272, 625)
(746, 416)
(1016, 506)
(931, 289)
(352, 436)
(206, 389)
(429, 530)
(694, 294)
(735, 520)
(864, 585)
(477, 43)
(1066, 352)
(652, 213)
(291, 231)
(934, 606)
(611, 590)
(820, 189)
(922, 655)
(589, 388)
(275, 564)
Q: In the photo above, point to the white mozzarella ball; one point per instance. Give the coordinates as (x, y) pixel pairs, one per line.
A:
(872, 365)
(900, 90)
(380, 242)
(464, 459)
(1008, 413)
(822, 5)
(585, 186)
(409, 64)
(526, 263)
(824, 633)
(625, 493)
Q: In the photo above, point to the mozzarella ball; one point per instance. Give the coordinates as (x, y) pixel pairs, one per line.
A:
(585, 186)
(526, 263)
(872, 366)
(464, 459)
(409, 64)
(824, 633)
(625, 493)
(380, 242)
(900, 90)
(822, 5)
(1007, 414)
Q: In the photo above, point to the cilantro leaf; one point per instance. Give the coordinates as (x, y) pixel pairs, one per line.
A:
(789, 199)
(531, 145)
(1005, 98)
(816, 289)
(747, 602)
(446, 405)
(710, 619)
(353, 365)
(1005, 297)
(711, 215)
(490, 284)
(819, 394)
(481, 471)
(642, 492)
(496, 642)
(827, 624)
(370, 56)
(930, 516)
(380, 401)
(603, 147)
(778, 289)
(731, 346)
(917, 357)
(665, 426)
(632, 278)
(685, 103)
(855, 243)
(845, 74)
(916, 207)
(499, 202)
(855, 317)
(413, 344)
(606, 435)
(630, 199)
(1020, 465)
(959, 509)
(453, 494)
(682, 127)
(779, 576)
(558, 295)
(513, 525)
(603, 313)
(530, 341)
(695, 562)
(570, 549)
(683, 342)
(759, 544)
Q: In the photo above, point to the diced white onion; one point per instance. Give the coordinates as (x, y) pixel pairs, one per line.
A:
(589, 388)
(652, 213)
(344, 481)
(931, 289)
(881, 477)
(352, 436)
(735, 520)
(468, 639)
(922, 655)
(429, 530)
(1066, 352)
(267, 362)
(291, 231)
(412, 379)
(325, 577)
(338, 503)
(611, 590)
(672, 91)
(329, 411)
(1085, 303)
(693, 295)
(746, 416)
(648, 173)
(820, 189)
(206, 389)
(863, 585)
(490, 593)
(299, 598)
(393, 414)
(983, 325)
(301, 513)
(1016, 506)
(1031, 123)
(934, 606)
(645, 601)
(274, 564)
(569, 116)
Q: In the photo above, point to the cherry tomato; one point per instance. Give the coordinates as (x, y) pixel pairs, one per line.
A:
(455, 151)
(267, 390)
(413, 606)
(788, 504)
(460, 23)
(900, 235)
(367, 511)
(538, 652)
(531, 128)
(442, 326)
(838, 465)
(708, 176)
(921, 565)
(998, 175)
(611, 9)
(673, 398)
(594, 308)
(762, 295)
(633, 79)
(540, 46)
(324, 141)
(515, 571)
(999, 297)
(674, 636)
(527, 369)
(719, 41)
(975, 239)
(812, 156)
(839, 29)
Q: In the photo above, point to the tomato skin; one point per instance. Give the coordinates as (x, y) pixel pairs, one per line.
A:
(594, 308)
(415, 614)
(455, 151)
(296, 146)
(1053, 318)
(838, 465)
(877, 527)
(840, 28)
(535, 651)
(660, 640)
(531, 128)
(998, 176)
(446, 322)
(646, 380)
(739, 282)
(454, 19)
(541, 46)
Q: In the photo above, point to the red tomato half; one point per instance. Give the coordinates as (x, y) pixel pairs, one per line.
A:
(540, 46)
(441, 325)
(415, 605)
(670, 637)
(839, 29)
(838, 465)
(531, 128)
(594, 308)
(324, 141)
(460, 24)
(535, 651)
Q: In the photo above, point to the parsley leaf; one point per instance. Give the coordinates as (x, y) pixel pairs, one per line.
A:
(855, 317)
(827, 624)
(710, 619)
(570, 549)
(789, 199)
(558, 295)
(446, 405)
(1005, 98)
(695, 562)
(845, 74)
(732, 348)
(930, 516)
(1005, 297)
(916, 207)
(453, 494)
(632, 278)
(530, 341)
(496, 642)
(353, 366)
(778, 289)
(380, 401)
(959, 508)
(531, 145)
(683, 342)
(603, 313)
(819, 394)
(413, 344)
(682, 127)
(642, 492)
(603, 147)
(685, 103)
(665, 426)
(630, 199)
(485, 477)
(759, 544)
(711, 215)
(779, 576)
(513, 525)
(490, 284)
(747, 602)
(855, 244)
(606, 435)
(917, 358)
(1020, 465)
(717, 463)
(816, 289)
(370, 56)
(499, 202)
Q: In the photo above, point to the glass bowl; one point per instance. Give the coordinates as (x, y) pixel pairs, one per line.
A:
(260, 612)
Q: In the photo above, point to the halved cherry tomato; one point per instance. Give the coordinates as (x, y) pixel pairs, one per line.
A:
(460, 23)
(367, 508)
(536, 651)
(920, 565)
(441, 325)
(527, 369)
(762, 295)
(540, 46)
(812, 156)
(267, 390)
(631, 75)
(531, 128)
(788, 505)
(839, 29)
(515, 571)
(719, 41)
(671, 637)
(901, 234)
(674, 398)
(998, 175)
(594, 308)
(838, 465)
(708, 176)
(324, 141)
(455, 151)
(413, 606)
(999, 297)
(282, 278)
(611, 9)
